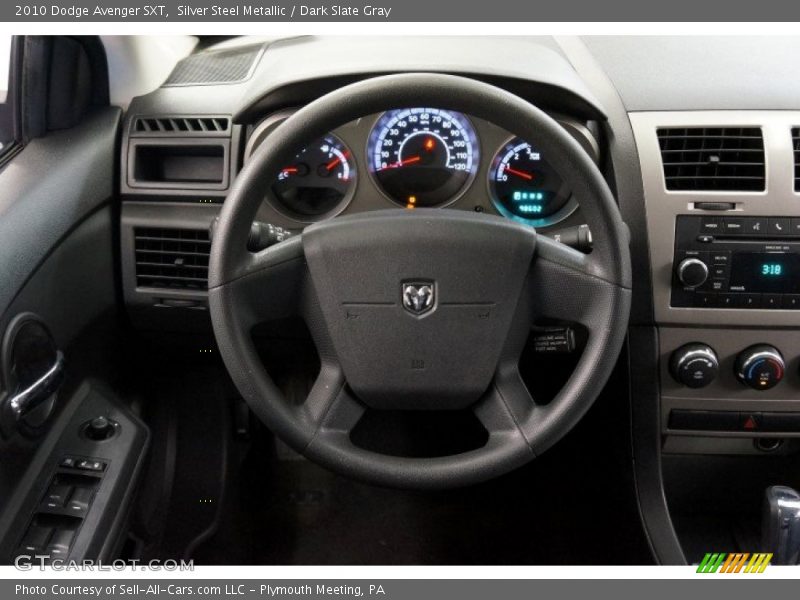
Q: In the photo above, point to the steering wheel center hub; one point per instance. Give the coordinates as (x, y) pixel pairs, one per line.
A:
(418, 304)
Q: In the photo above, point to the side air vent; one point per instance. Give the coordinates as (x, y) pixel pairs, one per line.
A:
(796, 146)
(713, 159)
(206, 126)
(172, 258)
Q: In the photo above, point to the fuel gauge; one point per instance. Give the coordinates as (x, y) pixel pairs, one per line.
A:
(318, 183)
(525, 188)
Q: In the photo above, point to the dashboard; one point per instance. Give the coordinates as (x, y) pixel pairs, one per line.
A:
(184, 144)
(705, 169)
(419, 157)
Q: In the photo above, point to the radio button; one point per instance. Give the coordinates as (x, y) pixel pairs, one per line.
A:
(771, 301)
(705, 239)
(747, 300)
(726, 300)
(720, 258)
(711, 225)
(755, 225)
(794, 226)
(703, 300)
(778, 225)
(733, 225)
(718, 285)
(791, 301)
(720, 271)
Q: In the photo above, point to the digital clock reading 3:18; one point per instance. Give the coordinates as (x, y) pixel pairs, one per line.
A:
(772, 269)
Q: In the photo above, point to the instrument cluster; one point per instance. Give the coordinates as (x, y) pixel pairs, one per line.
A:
(421, 157)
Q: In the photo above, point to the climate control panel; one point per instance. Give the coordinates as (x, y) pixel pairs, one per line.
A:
(730, 386)
(695, 365)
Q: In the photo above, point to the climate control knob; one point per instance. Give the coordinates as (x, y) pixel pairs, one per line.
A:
(692, 272)
(694, 365)
(761, 367)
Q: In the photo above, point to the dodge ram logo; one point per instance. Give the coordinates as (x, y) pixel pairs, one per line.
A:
(418, 297)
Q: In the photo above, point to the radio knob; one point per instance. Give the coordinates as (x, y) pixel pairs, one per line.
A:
(694, 365)
(692, 272)
(760, 367)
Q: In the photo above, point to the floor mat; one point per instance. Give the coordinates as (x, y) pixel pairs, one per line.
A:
(574, 505)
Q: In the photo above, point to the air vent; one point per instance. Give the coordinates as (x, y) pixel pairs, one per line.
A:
(796, 146)
(205, 126)
(172, 258)
(713, 159)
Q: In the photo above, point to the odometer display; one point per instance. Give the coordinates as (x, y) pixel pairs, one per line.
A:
(525, 188)
(423, 157)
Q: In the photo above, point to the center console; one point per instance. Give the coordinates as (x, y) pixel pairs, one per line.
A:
(723, 218)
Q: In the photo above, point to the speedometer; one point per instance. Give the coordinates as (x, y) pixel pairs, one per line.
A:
(423, 157)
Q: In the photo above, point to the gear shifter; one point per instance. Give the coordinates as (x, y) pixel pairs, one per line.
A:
(780, 530)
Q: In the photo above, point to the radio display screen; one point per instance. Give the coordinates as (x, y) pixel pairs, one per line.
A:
(765, 272)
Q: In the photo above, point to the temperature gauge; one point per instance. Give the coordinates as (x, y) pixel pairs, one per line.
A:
(318, 183)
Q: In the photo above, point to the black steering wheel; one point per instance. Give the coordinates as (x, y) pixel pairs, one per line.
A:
(423, 309)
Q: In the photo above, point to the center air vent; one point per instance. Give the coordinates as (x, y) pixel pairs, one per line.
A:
(796, 146)
(205, 126)
(713, 159)
(172, 258)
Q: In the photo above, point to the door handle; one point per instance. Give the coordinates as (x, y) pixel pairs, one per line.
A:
(23, 402)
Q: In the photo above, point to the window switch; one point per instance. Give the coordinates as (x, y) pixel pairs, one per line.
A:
(36, 538)
(60, 543)
(79, 503)
(57, 495)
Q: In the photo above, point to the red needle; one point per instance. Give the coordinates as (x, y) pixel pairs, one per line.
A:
(522, 174)
(290, 170)
(404, 162)
(333, 163)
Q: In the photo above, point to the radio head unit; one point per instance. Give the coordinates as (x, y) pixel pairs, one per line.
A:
(736, 262)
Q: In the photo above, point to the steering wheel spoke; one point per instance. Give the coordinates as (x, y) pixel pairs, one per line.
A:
(565, 286)
(506, 405)
(269, 285)
(330, 405)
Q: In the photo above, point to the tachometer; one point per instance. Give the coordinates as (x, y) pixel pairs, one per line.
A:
(319, 183)
(423, 157)
(525, 188)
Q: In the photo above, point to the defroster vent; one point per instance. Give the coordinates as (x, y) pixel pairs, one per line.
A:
(711, 159)
(172, 258)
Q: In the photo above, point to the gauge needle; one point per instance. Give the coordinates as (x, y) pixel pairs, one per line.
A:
(290, 170)
(403, 163)
(522, 174)
(333, 163)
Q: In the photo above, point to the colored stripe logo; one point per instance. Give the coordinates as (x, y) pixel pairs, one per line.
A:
(739, 562)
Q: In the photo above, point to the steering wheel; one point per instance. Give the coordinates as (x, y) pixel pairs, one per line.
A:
(424, 309)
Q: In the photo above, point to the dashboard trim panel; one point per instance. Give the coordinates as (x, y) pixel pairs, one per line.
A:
(662, 206)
